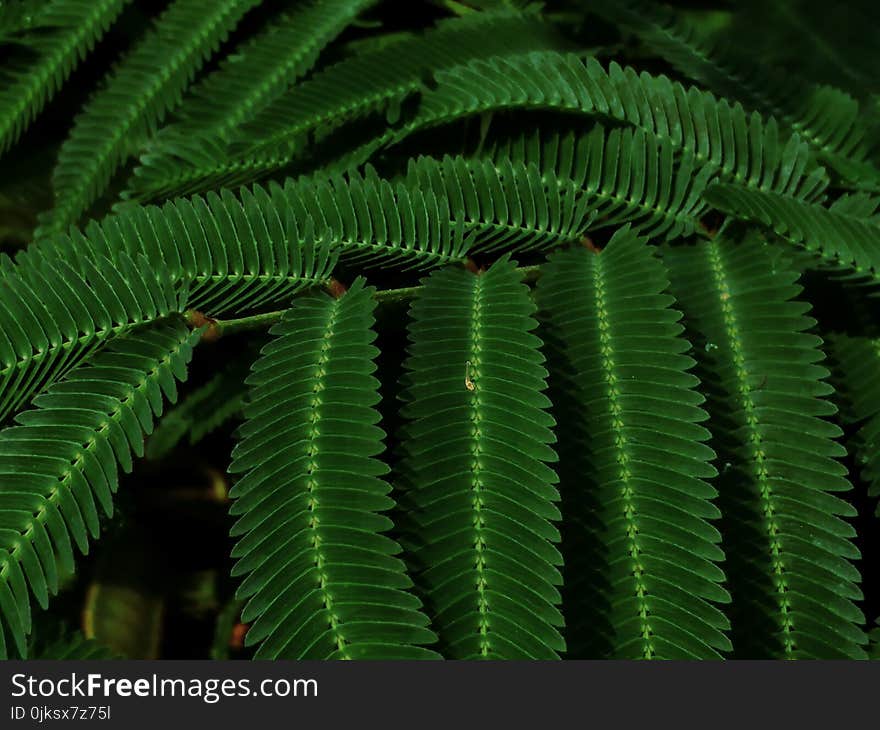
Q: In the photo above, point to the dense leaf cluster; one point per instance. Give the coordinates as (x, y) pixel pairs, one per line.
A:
(554, 322)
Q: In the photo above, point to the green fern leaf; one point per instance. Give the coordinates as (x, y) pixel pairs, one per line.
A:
(54, 313)
(439, 213)
(475, 468)
(740, 147)
(376, 81)
(246, 83)
(839, 235)
(68, 296)
(61, 34)
(322, 580)
(59, 463)
(644, 563)
(220, 252)
(507, 205)
(826, 118)
(789, 553)
(374, 222)
(146, 84)
(625, 176)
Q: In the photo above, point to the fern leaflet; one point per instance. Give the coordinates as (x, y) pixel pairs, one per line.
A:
(247, 82)
(475, 472)
(839, 235)
(644, 563)
(59, 463)
(379, 80)
(61, 35)
(322, 580)
(146, 84)
(791, 578)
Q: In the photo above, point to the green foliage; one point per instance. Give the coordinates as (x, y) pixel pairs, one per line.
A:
(479, 492)
(624, 176)
(44, 50)
(245, 84)
(781, 473)
(122, 115)
(826, 118)
(379, 80)
(655, 436)
(843, 236)
(60, 462)
(651, 560)
(322, 580)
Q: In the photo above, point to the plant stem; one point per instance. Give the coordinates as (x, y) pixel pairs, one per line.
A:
(216, 328)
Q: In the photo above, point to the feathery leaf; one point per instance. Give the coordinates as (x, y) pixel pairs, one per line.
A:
(643, 556)
(322, 580)
(789, 553)
(475, 471)
(60, 462)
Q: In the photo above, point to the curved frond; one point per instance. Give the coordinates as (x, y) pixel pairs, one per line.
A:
(789, 552)
(322, 578)
(46, 52)
(624, 175)
(374, 222)
(477, 445)
(220, 252)
(59, 464)
(54, 313)
(439, 213)
(826, 118)
(246, 82)
(741, 147)
(641, 554)
(372, 82)
(506, 205)
(840, 235)
(67, 296)
(145, 85)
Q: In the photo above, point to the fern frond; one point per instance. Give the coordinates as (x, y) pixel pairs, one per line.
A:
(789, 553)
(649, 582)
(60, 462)
(624, 175)
(53, 315)
(476, 446)
(376, 81)
(504, 205)
(826, 118)
(374, 222)
(246, 82)
(322, 580)
(146, 84)
(68, 296)
(220, 252)
(61, 35)
(440, 212)
(741, 147)
(840, 235)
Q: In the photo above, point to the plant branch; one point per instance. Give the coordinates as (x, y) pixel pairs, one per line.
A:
(216, 328)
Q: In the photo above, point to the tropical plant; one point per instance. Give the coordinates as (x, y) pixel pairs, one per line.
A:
(452, 329)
